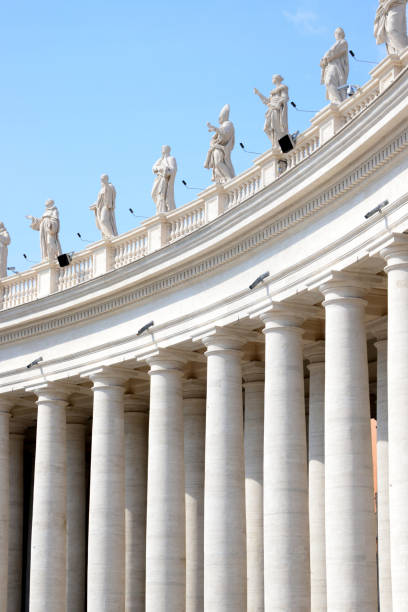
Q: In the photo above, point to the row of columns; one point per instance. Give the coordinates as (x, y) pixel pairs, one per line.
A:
(279, 539)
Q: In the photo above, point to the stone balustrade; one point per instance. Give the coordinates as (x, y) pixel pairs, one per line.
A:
(160, 230)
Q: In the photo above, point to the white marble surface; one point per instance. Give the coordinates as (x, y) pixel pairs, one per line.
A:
(4, 243)
(276, 117)
(221, 145)
(390, 25)
(335, 68)
(49, 226)
(165, 170)
(104, 209)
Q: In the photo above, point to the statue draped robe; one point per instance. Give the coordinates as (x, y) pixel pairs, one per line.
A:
(49, 227)
(276, 117)
(335, 74)
(219, 154)
(390, 25)
(105, 211)
(4, 242)
(165, 170)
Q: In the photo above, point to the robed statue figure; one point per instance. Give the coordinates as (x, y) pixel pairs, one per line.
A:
(390, 25)
(221, 145)
(48, 226)
(104, 209)
(276, 117)
(335, 69)
(165, 170)
(4, 242)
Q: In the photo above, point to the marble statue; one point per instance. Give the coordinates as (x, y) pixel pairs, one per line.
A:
(390, 25)
(48, 226)
(165, 170)
(276, 117)
(4, 242)
(221, 145)
(335, 69)
(104, 208)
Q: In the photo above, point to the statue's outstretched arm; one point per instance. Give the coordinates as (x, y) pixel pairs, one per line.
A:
(263, 98)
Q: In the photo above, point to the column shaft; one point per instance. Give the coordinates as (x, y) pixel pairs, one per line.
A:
(397, 270)
(76, 517)
(165, 535)
(349, 495)
(194, 455)
(106, 539)
(136, 438)
(286, 526)
(316, 488)
(48, 539)
(15, 560)
(224, 506)
(383, 510)
(253, 451)
(4, 500)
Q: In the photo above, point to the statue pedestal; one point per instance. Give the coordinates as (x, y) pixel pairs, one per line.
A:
(103, 257)
(157, 231)
(388, 69)
(329, 120)
(47, 278)
(214, 198)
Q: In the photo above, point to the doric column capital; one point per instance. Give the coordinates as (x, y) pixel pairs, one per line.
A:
(6, 404)
(395, 252)
(107, 377)
(166, 360)
(135, 404)
(314, 354)
(54, 392)
(277, 315)
(253, 372)
(222, 339)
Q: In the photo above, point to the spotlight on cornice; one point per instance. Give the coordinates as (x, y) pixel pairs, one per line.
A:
(353, 55)
(377, 209)
(302, 110)
(12, 269)
(350, 89)
(35, 362)
(286, 143)
(65, 259)
(145, 328)
(258, 280)
(29, 260)
(193, 188)
(241, 144)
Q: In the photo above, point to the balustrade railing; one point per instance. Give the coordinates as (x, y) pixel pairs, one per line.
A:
(158, 231)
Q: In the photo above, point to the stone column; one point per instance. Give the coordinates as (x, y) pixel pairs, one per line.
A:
(76, 511)
(5, 407)
(106, 535)
(318, 596)
(349, 496)
(224, 505)
(136, 439)
(165, 533)
(383, 509)
(286, 526)
(15, 548)
(48, 538)
(194, 461)
(253, 451)
(396, 256)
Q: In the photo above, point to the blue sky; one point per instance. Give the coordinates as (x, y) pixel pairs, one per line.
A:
(98, 86)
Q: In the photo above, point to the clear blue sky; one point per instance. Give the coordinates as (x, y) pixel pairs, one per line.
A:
(98, 86)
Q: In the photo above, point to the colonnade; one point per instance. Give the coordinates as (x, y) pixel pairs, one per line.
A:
(218, 495)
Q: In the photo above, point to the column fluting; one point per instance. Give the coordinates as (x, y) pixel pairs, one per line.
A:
(396, 256)
(316, 367)
(76, 512)
(106, 534)
(136, 440)
(5, 407)
(224, 496)
(49, 529)
(253, 373)
(349, 494)
(286, 526)
(15, 559)
(194, 462)
(165, 532)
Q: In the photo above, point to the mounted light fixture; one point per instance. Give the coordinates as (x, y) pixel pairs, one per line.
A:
(145, 328)
(35, 362)
(259, 280)
(377, 209)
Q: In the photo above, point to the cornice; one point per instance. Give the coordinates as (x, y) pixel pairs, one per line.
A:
(191, 270)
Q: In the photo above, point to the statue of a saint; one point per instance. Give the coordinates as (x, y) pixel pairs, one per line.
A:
(48, 226)
(276, 117)
(4, 242)
(104, 208)
(221, 145)
(165, 170)
(335, 69)
(390, 25)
